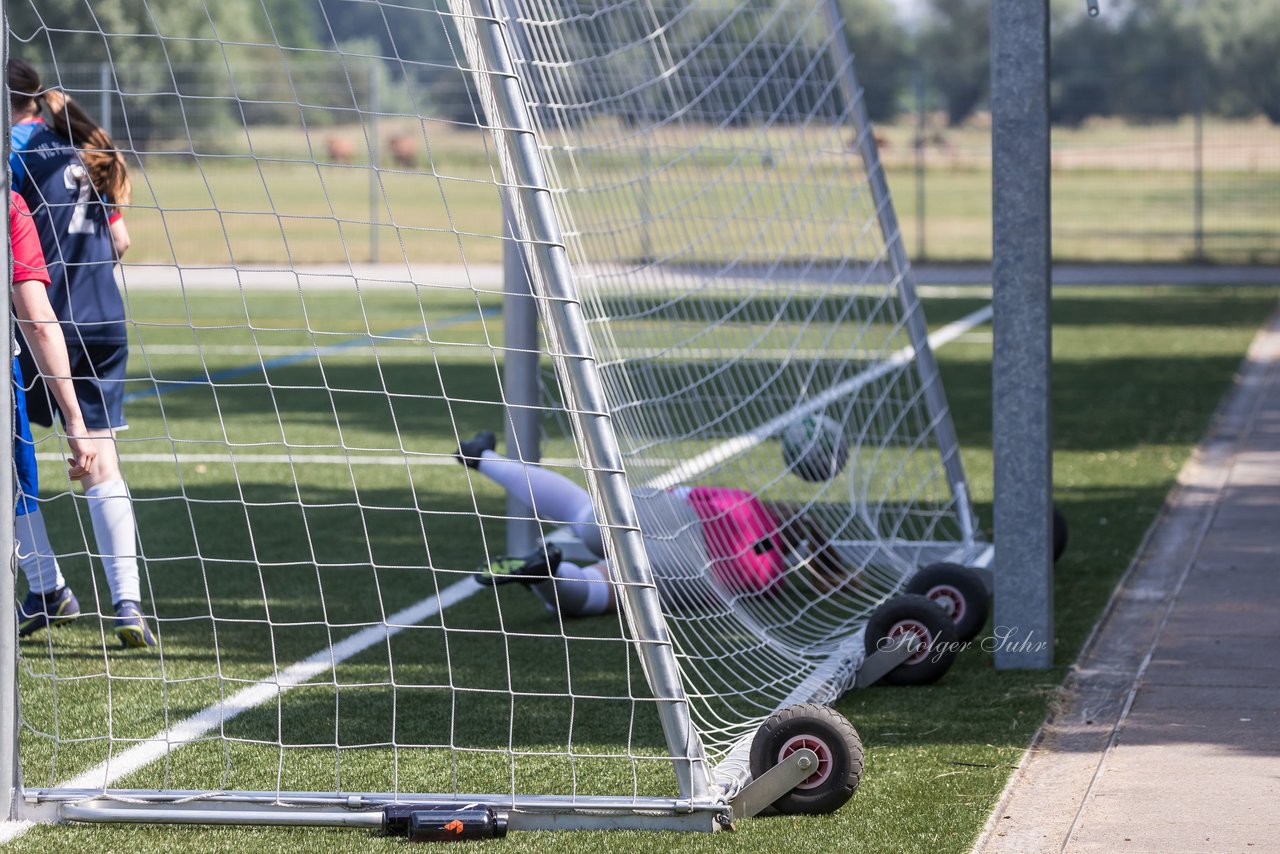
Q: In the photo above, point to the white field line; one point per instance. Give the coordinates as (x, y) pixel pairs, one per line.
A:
(725, 450)
(161, 744)
(248, 459)
(954, 292)
(11, 830)
(384, 349)
(325, 660)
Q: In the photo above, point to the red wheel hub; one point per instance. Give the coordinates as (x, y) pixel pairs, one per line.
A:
(902, 628)
(818, 746)
(951, 600)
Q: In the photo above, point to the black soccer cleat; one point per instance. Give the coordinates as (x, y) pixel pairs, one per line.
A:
(470, 451)
(539, 565)
(46, 609)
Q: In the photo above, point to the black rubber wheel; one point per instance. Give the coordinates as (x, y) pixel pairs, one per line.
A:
(960, 592)
(827, 733)
(1059, 533)
(926, 620)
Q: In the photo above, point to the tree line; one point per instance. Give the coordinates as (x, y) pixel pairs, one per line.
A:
(1144, 60)
(183, 61)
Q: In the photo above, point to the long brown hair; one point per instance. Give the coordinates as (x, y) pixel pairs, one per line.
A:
(105, 163)
(800, 533)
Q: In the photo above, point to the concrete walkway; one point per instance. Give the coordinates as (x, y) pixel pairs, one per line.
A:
(1168, 736)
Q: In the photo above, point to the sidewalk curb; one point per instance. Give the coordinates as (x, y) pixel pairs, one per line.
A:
(1055, 776)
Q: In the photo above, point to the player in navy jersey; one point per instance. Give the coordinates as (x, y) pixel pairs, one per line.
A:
(75, 182)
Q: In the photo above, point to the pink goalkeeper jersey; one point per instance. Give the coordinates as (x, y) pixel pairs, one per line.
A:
(741, 536)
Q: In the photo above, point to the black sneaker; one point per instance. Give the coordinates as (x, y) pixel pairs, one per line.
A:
(538, 565)
(469, 452)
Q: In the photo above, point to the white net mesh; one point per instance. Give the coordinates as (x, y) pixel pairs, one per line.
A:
(742, 296)
(314, 300)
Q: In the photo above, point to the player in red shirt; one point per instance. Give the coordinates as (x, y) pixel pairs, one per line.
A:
(49, 600)
(75, 181)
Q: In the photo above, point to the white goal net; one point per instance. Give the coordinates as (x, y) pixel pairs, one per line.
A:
(736, 248)
(645, 244)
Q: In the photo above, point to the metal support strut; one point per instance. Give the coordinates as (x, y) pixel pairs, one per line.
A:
(484, 41)
(935, 398)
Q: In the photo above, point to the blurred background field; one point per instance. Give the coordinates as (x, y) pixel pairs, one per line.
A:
(1122, 192)
(1166, 143)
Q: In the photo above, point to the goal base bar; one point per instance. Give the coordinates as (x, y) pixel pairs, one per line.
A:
(313, 809)
(762, 792)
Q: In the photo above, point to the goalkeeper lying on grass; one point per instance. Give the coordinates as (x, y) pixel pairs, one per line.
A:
(749, 545)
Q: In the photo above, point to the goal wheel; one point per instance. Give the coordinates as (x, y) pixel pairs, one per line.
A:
(911, 613)
(828, 734)
(959, 591)
(1059, 533)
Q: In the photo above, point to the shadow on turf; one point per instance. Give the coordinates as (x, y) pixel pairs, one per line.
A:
(1103, 404)
(1084, 393)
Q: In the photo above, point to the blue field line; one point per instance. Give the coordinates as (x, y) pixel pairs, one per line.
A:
(165, 386)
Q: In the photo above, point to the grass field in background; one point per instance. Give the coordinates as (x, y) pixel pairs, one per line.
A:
(1121, 193)
(233, 543)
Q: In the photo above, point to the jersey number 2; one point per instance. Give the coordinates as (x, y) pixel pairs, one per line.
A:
(76, 177)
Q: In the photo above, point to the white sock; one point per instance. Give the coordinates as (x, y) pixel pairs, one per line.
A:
(550, 495)
(554, 496)
(116, 532)
(577, 591)
(35, 554)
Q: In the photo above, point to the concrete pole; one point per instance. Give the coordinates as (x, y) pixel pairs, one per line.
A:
(1023, 345)
(521, 390)
(521, 359)
(106, 87)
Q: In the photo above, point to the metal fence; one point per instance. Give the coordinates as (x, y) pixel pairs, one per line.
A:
(1201, 188)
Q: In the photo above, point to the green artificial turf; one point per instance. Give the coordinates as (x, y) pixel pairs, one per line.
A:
(253, 564)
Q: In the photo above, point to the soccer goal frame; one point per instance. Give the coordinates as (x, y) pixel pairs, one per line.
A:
(533, 222)
(848, 665)
(521, 388)
(539, 272)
